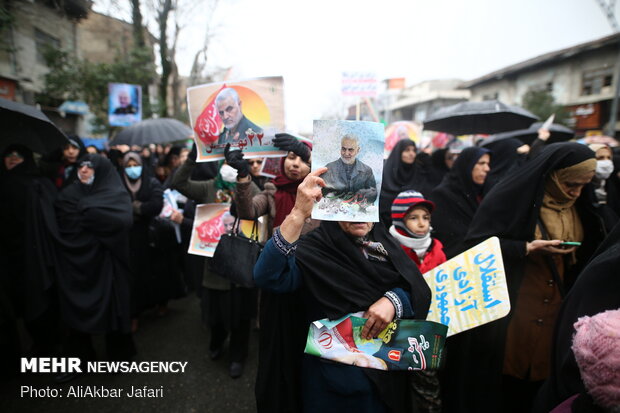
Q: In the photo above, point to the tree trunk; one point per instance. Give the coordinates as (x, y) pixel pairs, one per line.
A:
(166, 67)
(138, 29)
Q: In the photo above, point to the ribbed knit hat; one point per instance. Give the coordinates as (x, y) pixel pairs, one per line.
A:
(596, 346)
(403, 203)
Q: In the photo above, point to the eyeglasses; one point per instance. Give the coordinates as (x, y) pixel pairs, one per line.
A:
(87, 164)
(14, 154)
(257, 161)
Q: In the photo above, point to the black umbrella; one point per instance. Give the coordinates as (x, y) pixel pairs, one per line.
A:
(162, 130)
(489, 116)
(559, 133)
(28, 126)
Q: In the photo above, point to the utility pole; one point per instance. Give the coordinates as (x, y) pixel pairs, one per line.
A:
(608, 8)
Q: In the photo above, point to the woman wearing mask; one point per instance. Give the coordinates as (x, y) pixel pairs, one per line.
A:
(605, 190)
(147, 202)
(400, 172)
(277, 383)
(457, 198)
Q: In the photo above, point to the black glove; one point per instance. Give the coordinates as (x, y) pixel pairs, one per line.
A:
(193, 153)
(289, 143)
(235, 159)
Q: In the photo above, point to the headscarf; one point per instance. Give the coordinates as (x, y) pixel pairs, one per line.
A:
(458, 186)
(92, 234)
(27, 167)
(342, 280)
(286, 193)
(511, 210)
(505, 159)
(557, 214)
(132, 185)
(398, 176)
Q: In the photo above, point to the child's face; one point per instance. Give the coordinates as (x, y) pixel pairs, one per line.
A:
(418, 220)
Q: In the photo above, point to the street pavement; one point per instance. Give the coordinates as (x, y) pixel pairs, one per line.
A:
(178, 336)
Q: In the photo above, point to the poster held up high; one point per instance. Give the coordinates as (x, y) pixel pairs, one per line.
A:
(246, 114)
(124, 104)
(352, 151)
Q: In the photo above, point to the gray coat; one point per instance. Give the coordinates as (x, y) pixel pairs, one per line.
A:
(361, 181)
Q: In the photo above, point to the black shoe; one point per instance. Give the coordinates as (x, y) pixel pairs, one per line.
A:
(65, 377)
(216, 353)
(236, 369)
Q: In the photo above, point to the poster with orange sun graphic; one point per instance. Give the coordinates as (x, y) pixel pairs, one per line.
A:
(245, 114)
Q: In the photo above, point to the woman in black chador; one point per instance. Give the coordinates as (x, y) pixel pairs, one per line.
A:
(401, 172)
(532, 213)
(457, 198)
(146, 201)
(94, 217)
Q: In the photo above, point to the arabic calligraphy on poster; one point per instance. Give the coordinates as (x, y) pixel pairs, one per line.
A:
(245, 114)
(470, 289)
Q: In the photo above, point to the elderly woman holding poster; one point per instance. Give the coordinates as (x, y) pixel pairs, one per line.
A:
(548, 229)
(277, 384)
(343, 268)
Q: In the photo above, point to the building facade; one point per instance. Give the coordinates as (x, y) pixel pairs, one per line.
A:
(581, 78)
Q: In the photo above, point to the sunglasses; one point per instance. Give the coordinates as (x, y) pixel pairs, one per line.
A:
(258, 161)
(87, 164)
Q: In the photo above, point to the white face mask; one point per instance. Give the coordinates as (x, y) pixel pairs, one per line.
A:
(604, 169)
(229, 174)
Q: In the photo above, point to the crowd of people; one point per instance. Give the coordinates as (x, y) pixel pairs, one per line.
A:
(88, 251)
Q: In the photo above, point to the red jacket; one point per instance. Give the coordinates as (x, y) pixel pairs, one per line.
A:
(434, 256)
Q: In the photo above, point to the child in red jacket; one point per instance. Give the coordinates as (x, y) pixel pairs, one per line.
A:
(411, 226)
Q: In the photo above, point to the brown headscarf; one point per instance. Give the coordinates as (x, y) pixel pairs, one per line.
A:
(558, 213)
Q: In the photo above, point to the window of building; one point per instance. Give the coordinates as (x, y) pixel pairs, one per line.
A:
(491, 96)
(594, 80)
(44, 42)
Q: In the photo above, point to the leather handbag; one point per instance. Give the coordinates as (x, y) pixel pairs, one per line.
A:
(235, 256)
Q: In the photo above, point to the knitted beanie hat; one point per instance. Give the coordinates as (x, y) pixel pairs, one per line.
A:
(596, 346)
(403, 203)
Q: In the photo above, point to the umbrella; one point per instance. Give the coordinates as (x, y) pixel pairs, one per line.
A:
(401, 130)
(488, 117)
(559, 133)
(29, 126)
(161, 130)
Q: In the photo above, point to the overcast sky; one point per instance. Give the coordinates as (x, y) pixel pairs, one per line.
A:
(310, 43)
